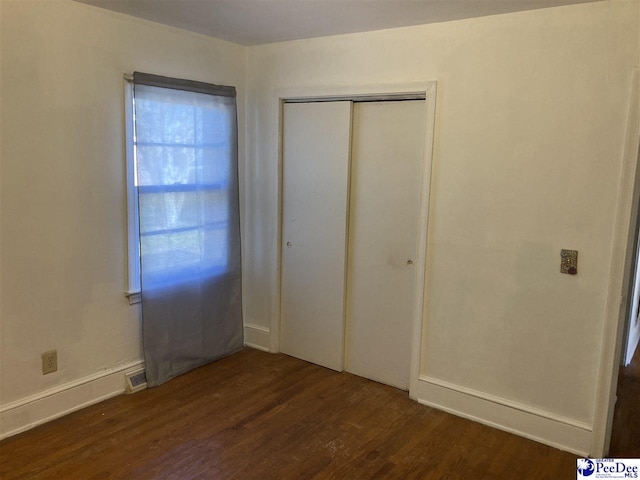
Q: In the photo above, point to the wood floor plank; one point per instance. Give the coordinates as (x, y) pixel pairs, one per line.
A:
(261, 416)
(625, 436)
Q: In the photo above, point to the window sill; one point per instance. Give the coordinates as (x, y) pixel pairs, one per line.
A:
(133, 296)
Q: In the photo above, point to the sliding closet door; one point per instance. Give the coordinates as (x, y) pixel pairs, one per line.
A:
(386, 174)
(316, 139)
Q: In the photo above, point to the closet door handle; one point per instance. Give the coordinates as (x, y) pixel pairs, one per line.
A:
(409, 262)
(289, 244)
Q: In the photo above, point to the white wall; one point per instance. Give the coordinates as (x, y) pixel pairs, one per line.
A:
(530, 127)
(62, 217)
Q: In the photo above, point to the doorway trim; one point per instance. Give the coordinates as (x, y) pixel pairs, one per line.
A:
(404, 91)
(622, 259)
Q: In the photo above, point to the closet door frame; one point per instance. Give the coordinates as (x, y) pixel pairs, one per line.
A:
(407, 91)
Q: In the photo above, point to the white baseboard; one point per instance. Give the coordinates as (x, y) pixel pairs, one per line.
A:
(29, 412)
(258, 337)
(523, 420)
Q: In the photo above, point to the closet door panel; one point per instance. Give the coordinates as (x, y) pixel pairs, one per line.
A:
(386, 174)
(316, 149)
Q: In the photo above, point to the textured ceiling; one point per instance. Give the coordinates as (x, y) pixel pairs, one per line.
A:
(254, 22)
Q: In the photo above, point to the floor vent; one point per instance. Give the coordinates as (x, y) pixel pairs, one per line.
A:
(136, 381)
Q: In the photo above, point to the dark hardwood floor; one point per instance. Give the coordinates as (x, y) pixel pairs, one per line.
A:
(260, 416)
(625, 437)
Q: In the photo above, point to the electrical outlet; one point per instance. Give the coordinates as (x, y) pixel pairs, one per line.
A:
(49, 362)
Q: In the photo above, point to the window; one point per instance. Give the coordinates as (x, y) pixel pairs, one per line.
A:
(181, 184)
(133, 251)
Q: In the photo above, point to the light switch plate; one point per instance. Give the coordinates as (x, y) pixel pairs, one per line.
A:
(569, 261)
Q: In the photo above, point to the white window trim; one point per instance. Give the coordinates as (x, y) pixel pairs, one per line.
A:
(133, 227)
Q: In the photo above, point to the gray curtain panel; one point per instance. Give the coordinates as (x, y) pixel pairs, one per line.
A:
(187, 184)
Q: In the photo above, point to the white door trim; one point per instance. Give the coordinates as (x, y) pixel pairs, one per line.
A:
(619, 277)
(426, 89)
